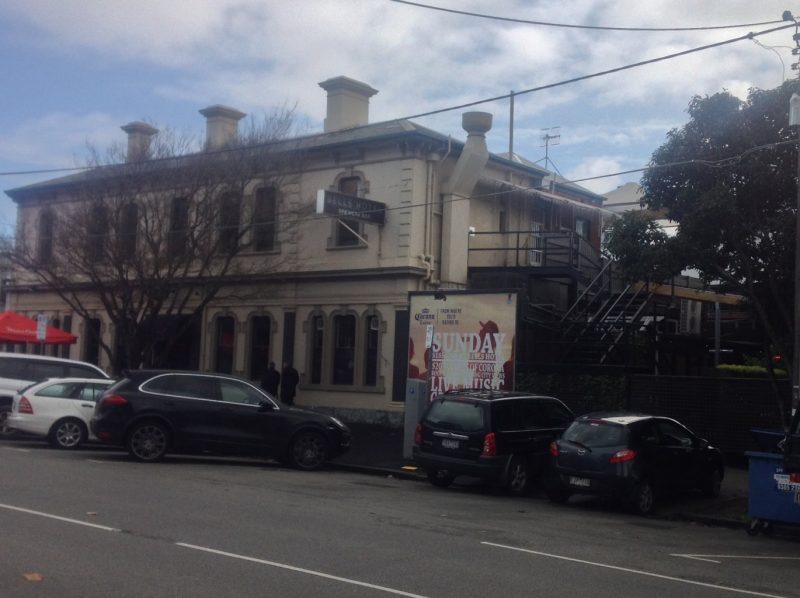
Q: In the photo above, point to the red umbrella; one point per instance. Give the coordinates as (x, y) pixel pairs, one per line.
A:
(16, 328)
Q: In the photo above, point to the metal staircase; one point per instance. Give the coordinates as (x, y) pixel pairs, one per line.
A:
(603, 320)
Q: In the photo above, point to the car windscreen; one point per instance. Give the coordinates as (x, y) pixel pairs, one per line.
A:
(596, 434)
(466, 416)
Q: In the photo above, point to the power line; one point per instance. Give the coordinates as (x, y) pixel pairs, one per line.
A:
(572, 26)
(749, 36)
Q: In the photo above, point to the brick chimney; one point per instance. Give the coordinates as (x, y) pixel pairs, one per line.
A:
(222, 125)
(139, 135)
(348, 103)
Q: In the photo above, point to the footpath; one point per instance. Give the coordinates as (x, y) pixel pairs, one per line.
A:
(378, 450)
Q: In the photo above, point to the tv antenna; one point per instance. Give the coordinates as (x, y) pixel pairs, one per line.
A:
(551, 136)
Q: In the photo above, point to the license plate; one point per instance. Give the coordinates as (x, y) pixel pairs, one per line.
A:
(582, 482)
(449, 443)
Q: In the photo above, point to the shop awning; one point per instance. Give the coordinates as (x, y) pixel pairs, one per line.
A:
(16, 328)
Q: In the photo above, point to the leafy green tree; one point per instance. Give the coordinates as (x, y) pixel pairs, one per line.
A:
(728, 178)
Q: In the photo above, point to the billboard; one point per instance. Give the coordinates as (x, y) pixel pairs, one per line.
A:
(460, 340)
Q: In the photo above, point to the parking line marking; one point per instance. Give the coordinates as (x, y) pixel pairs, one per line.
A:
(58, 518)
(709, 557)
(301, 570)
(634, 571)
(19, 450)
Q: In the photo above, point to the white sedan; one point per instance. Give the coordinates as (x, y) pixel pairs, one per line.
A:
(59, 409)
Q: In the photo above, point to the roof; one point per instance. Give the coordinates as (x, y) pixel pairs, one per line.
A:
(371, 133)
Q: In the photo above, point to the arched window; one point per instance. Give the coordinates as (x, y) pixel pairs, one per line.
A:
(344, 349)
(260, 334)
(225, 335)
(178, 227)
(317, 348)
(371, 350)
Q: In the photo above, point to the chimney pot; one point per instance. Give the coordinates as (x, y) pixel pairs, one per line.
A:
(139, 135)
(348, 103)
(222, 125)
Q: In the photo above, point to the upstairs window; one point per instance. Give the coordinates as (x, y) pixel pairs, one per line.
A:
(348, 229)
(178, 226)
(44, 249)
(97, 233)
(230, 206)
(265, 223)
(128, 228)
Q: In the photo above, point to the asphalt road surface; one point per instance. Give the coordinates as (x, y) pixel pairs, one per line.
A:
(93, 523)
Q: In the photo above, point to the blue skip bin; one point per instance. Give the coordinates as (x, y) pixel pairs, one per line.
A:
(773, 497)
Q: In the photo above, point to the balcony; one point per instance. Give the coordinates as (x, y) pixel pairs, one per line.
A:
(546, 254)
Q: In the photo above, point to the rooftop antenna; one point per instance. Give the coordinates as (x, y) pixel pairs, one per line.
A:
(552, 136)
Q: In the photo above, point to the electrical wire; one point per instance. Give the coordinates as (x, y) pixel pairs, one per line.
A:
(571, 26)
(749, 36)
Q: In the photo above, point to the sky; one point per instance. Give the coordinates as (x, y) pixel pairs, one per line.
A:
(74, 72)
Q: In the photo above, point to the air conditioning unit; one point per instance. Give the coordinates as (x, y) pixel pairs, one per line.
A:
(320, 324)
(374, 324)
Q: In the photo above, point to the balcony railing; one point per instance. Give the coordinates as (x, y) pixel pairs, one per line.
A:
(527, 249)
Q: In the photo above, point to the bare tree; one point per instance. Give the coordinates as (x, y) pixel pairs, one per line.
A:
(162, 236)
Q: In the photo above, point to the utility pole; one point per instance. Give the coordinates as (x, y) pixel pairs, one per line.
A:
(794, 121)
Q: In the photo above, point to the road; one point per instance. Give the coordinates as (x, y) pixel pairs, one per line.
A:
(93, 523)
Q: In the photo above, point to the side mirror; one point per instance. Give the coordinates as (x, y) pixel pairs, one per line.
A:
(266, 406)
(701, 443)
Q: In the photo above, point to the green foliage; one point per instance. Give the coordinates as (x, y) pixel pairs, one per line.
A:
(642, 248)
(749, 371)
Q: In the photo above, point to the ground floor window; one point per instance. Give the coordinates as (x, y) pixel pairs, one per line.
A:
(350, 353)
(260, 333)
(224, 353)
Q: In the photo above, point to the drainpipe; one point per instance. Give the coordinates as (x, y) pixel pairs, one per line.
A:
(457, 191)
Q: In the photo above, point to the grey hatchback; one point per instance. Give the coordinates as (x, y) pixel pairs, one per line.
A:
(500, 436)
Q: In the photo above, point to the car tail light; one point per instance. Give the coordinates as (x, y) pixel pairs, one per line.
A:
(623, 456)
(25, 406)
(554, 449)
(794, 478)
(113, 400)
(418, 435)
(489, 445)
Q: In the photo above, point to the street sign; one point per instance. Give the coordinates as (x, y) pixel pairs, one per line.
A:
(350, 206)
(41, 327)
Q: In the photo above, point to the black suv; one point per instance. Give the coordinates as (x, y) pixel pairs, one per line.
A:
(501, 436)
(151, 412)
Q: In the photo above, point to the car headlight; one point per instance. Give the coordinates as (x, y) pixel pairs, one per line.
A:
(338, 423)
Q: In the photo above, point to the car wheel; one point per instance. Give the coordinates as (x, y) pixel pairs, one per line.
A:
(148, 441)
(519, 477)
(441, 478)
(67, 434)
(308, 451)
(712, 484)
(6, 431)
(642, 498)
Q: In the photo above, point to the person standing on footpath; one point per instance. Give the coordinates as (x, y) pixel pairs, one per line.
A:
(271, 379)
(289, 381)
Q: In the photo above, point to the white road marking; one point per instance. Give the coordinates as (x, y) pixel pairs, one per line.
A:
(19, 450)
(710, 557)
(634, 571)
(301, 570)
(65, 519)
